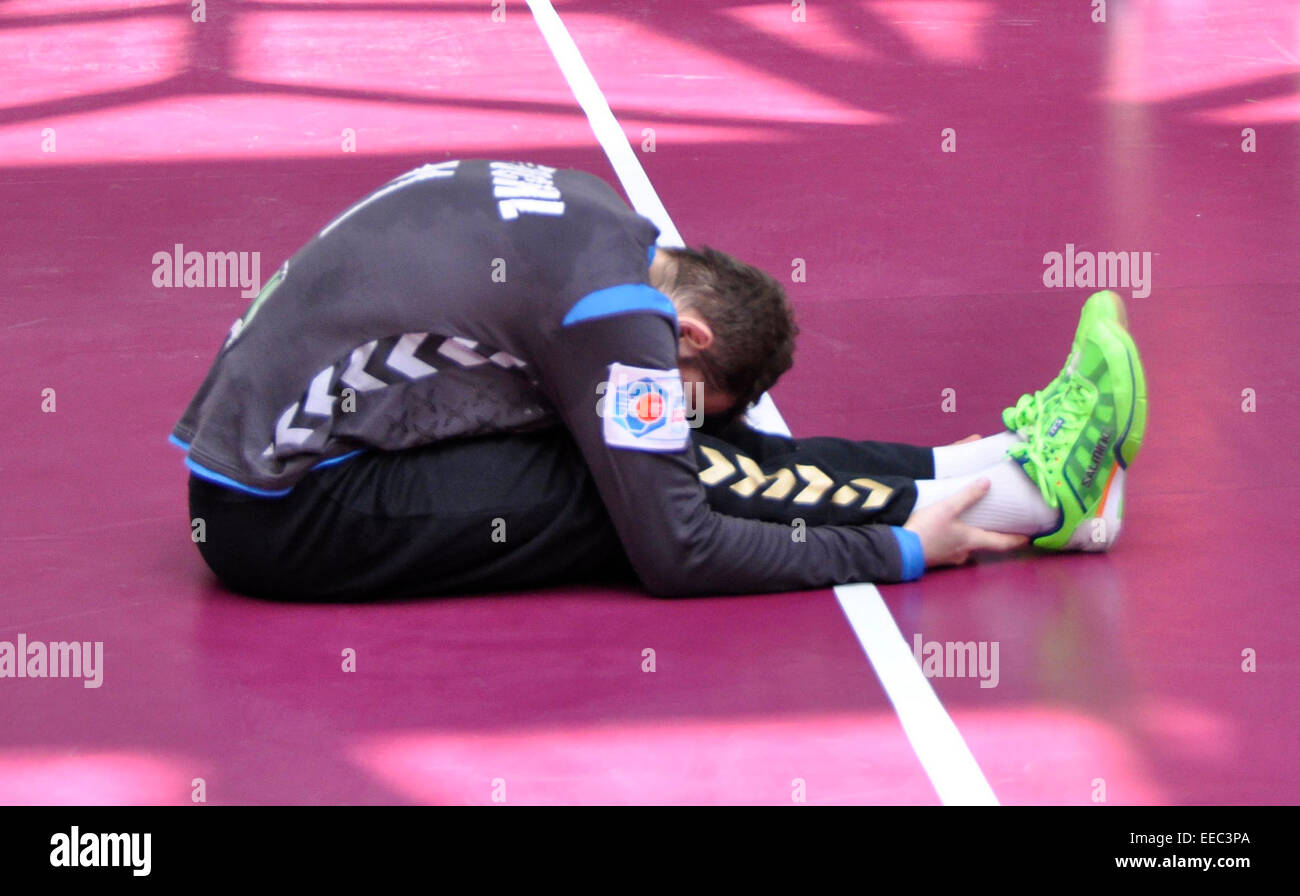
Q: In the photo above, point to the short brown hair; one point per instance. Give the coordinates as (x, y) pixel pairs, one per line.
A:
(752, 321)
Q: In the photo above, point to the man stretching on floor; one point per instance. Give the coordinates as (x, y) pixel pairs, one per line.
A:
(485, 376)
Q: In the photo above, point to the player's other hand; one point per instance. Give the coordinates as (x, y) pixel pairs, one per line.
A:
(946, 540)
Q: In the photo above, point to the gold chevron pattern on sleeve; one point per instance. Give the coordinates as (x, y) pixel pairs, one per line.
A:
(781, 488)
(879, 492)
(719, 469)
(754, 479)
(818, 483)
(780, 483)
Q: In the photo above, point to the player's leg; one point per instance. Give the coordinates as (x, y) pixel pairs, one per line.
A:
(820, 480)
(1013, 503)
(778, 478)
(884, 458)
(492, 513)
(833, 481)
(965, 458)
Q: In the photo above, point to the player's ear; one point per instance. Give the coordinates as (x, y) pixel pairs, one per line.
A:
(696, 334)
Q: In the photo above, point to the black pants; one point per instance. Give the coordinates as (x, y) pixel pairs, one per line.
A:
(516, 511)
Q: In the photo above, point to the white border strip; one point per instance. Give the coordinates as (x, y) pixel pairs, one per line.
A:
(953, 771)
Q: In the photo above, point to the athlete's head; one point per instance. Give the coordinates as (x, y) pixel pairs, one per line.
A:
(737, 327)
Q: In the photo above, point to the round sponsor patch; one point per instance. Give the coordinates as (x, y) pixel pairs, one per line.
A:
(644, 406)
(645, 409)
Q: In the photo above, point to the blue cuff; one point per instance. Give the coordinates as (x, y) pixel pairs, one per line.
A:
(909, 545)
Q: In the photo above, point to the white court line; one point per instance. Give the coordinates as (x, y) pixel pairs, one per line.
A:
(612, 139)
(953, 771)
(938, 744)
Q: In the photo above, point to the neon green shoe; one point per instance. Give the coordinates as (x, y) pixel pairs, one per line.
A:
(1079, 448)
(1104, 305)
(1131, 441)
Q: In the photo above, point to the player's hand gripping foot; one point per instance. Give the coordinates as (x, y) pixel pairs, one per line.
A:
(1104, 305)
(946, 540)
(1086, 434)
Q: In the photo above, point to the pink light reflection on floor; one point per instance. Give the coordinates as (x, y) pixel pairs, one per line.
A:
(819, 34)
(1160, 57)
(98, 778)
(842, 758)
(70, 60)
(939, 31)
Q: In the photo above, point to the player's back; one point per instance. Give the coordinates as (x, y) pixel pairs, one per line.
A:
(411, 317)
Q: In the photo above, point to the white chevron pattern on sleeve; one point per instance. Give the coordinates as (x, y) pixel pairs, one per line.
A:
(355, 375)
(403, 360)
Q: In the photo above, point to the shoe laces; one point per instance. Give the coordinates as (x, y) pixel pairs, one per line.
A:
(1029, 407)
(1042, 450)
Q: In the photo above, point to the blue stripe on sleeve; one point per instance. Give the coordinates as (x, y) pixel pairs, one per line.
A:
(909, 545)
(178, 443)
(624, 299)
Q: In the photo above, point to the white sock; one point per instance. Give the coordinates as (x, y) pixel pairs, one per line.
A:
(1013, 504)
(962, 460)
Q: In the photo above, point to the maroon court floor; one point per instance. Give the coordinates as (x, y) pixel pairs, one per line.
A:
(773, 140)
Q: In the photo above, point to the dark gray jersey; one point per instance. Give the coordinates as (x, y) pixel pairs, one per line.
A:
(479, 297)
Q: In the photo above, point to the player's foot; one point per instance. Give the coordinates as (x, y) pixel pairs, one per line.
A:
(1087, 434)
(1104, 305)
(1131, 440)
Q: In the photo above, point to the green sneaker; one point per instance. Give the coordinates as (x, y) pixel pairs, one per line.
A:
(1131, 440)
(1078, 449)
(1104, 305)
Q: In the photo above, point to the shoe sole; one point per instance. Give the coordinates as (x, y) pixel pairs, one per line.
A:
(1098, 532)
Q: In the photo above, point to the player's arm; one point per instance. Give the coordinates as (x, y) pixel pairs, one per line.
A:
(676, 543)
